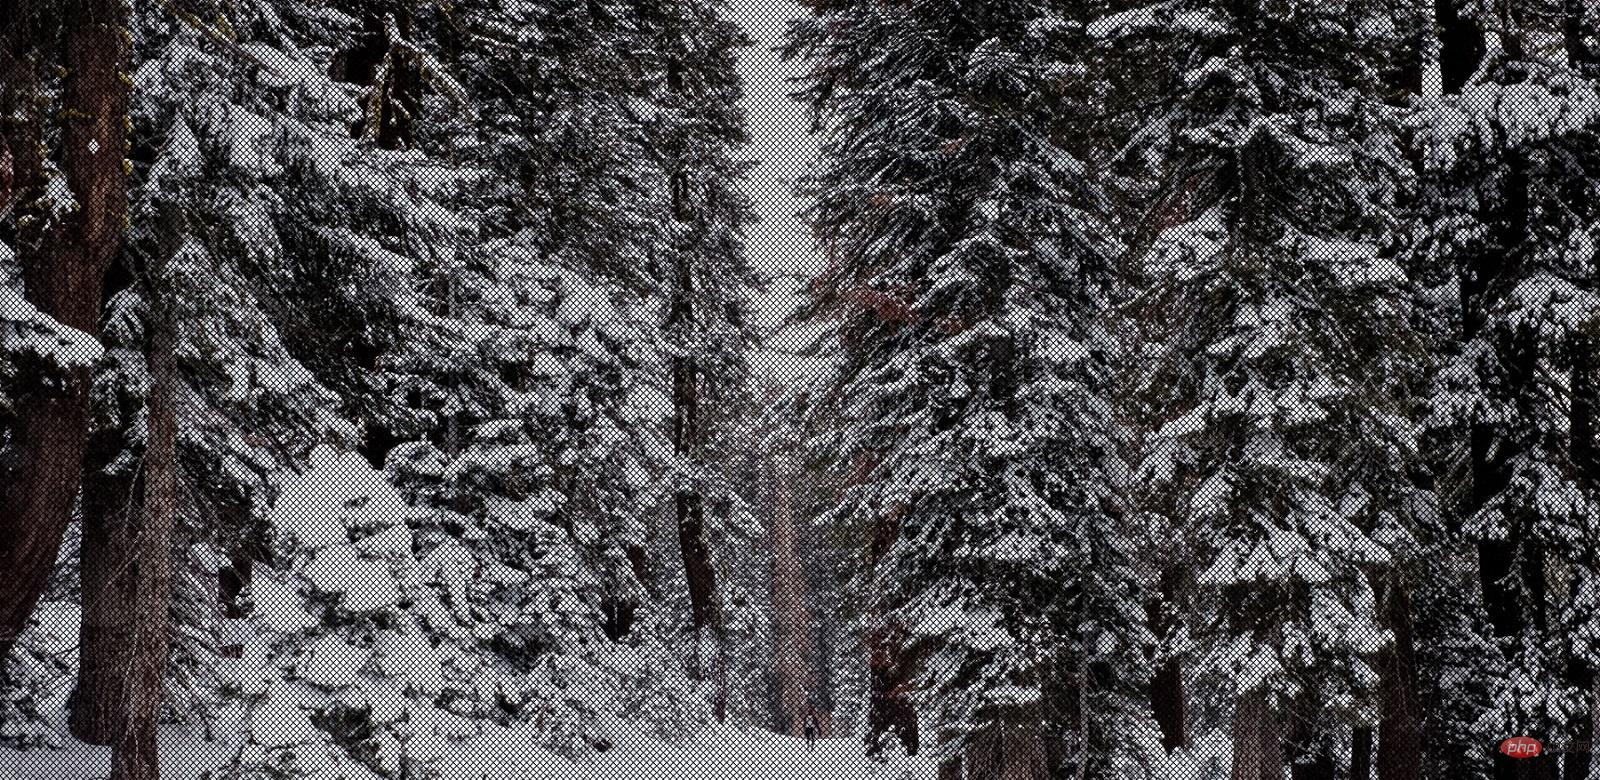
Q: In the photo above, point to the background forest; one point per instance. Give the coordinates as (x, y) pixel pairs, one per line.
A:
(1013, 389)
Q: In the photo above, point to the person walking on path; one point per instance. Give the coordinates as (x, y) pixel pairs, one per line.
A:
(810, 727)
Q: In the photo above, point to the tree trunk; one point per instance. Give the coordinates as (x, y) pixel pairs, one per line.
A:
(112, 512)
(1573, 29)
(1461, 48)
(1167, 700)
(1591, 741)
(687, 440)
(1585, 416)
(1003, 751)
(1399, 711)
(1361, 753)
(889, 707)
(794, 648)
(1257, 739)
(891, 665)
(690, 506)
(1579, 763)
(1309, 757)
(64, 263)
(134, 756)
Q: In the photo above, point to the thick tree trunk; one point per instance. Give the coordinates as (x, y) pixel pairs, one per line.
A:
(891, 666)
(690, 508)
(688, 443)
(1257, 739)
(134, 756)
(64, 269)
(1399, 709)
(794, 650)
(889, 708)
(1002, 752)
(112, 512)
(1167, 700)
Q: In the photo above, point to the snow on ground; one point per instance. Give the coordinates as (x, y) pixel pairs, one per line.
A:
(508, 755)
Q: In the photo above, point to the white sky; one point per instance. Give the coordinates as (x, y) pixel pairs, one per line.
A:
(780, 245)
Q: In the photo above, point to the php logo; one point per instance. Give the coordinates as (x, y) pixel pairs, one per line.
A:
(1522, 747)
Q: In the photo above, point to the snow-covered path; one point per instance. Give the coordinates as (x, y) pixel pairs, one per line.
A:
(719, 754)
(729, 754)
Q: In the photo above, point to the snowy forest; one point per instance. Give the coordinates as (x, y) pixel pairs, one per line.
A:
(818, 389)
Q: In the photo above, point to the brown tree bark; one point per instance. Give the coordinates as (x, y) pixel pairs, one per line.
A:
(134, 756)
(688, 443)
(112, 510)
(794, 651)
(891, 665)
(64, 262)
(1001, 752)
(1257, 739)
(1167, 700)
(1399, 709)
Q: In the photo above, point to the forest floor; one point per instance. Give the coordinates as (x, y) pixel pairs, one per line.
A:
(715, 755)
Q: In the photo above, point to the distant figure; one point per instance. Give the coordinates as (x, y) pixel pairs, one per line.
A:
(811, 728)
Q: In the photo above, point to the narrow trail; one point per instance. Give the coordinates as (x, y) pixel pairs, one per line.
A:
(717, 754)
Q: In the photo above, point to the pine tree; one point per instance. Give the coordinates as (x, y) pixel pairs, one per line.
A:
(695, 130)
(967, 277)
(247, 407)
(1508, 144)
(1286, 351)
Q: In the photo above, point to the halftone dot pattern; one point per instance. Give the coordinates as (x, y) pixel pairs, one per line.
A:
(825, 389)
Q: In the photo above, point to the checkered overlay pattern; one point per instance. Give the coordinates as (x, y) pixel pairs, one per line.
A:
(800, 389)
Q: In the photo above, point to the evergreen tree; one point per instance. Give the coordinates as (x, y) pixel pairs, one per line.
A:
(1285, 354)
(695, 130)
(967, 282)
(1507, 139)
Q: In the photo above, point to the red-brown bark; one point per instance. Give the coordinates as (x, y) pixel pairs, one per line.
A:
(688, 445)
(794, 645)
(1257, 739)
(64, 258)
(891, 664)
(134, 755)
(112, 509)
(1399, 709)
